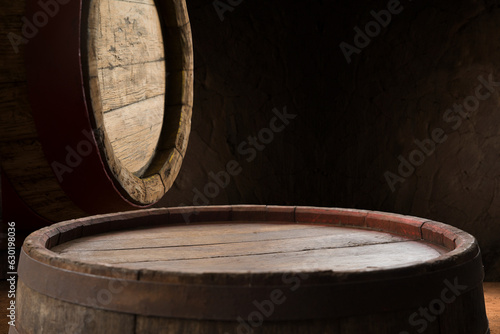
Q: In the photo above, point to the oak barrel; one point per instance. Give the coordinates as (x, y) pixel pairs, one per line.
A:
(95, 103)
(250, 269)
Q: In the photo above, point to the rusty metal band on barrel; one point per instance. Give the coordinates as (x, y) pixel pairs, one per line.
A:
(60, 111)
(227, 302)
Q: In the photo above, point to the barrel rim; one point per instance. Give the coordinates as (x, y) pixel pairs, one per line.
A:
(147, 291)
(462, 246)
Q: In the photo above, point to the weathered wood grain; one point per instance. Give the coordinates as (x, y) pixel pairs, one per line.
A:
(54, 318)
(264, 248)
(134, 131)
(124, 33)
(126, 57)
(131, 84)
(125, 80)
(157, 325)
(355, 276)
(218, 233)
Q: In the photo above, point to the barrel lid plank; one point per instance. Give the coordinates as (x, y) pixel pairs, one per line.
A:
(255, 247)
(126, 56)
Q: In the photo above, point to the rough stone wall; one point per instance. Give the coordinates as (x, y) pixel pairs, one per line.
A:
(354, 122)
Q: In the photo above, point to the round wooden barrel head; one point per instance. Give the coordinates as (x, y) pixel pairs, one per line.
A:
(127, 66)
(139, 68)
(244, 247)
(211, 269)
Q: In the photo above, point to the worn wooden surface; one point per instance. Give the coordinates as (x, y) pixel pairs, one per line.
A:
(491, 295)
(62, 318)
(126, 73)
(126, 58)
(240, 247)
(357, 272)
(141, 106)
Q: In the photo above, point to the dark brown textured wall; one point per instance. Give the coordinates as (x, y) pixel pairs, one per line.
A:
(354, 122)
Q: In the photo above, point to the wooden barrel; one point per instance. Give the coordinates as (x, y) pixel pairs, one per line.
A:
(95, 103)
(250, 269)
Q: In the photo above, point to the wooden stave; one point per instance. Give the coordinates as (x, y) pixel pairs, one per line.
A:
(101, 322)
(104, 322)
(20, 142)
(465, 249)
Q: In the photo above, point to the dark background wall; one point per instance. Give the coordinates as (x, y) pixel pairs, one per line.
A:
(354, 122)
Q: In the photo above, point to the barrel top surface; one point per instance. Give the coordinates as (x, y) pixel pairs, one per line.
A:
(250, 240)
(243, 247)
(173, 262)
